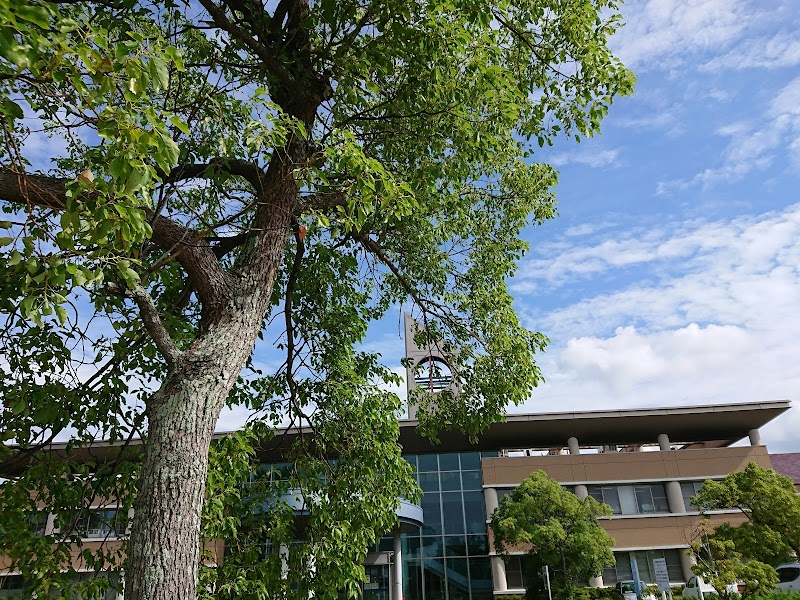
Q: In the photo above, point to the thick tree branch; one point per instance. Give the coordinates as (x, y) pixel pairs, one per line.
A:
(190, 250)
(155, 326)
(265, 54)
(248, 171)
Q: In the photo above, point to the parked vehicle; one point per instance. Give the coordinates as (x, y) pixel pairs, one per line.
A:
(696, 585)
(788, 577)
(628, 591)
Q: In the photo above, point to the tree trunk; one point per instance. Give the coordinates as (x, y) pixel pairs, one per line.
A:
(164, 547)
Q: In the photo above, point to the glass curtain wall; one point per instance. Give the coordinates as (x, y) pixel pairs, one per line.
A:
(449, 557)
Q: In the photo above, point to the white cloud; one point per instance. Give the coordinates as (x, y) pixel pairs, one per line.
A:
(589, 157)
(668, 33)
(752, 146)
(779, 51)
(717, 322)
(630, 357)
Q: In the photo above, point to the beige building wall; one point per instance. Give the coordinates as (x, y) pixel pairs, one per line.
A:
(624, 466)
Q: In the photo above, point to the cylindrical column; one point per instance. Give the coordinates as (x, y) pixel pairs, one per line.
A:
(596, 582)
(397, 584)
(50, 524)
(755, 437)
(283, 552)
(490, 500)
(663, 442)
(499, 574)
(121, 585)
(675, 497)
(581, 492)
(572, 444)
(687, 562)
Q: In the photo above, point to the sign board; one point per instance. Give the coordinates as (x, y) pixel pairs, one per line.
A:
(662, 577)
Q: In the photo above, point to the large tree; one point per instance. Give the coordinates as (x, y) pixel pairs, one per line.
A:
(556, 529)
(228, 170)
(769, 502)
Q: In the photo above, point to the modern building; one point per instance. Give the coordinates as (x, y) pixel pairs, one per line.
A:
(645, 463)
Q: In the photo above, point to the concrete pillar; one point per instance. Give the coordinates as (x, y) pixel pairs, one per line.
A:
(490, 500)
(499, 574)
(675, 497)
(50, 524)
(581, 492)
(663, 442)
(596, 582)
(283, 552)
(130, 522)
(572, 444)
(687, 562)
(121, 585)
(397, 583)
(755, 437)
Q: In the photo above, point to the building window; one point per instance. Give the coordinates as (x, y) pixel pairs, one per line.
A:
(37, 522)
(623, 570)
(632, 499)
(651, 498)
(607, 494)
(97, 523)
(689, 490)
(514, 577)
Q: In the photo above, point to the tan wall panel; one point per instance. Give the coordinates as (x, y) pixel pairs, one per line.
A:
(649, 532)
(624, 466)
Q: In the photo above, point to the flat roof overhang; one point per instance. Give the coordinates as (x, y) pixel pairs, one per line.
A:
(715, 425)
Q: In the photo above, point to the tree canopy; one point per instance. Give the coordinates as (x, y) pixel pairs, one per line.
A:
(770, 503)
(185, 182)
(720, 565)
(555, 528)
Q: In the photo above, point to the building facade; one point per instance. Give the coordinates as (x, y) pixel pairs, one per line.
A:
(646, 464)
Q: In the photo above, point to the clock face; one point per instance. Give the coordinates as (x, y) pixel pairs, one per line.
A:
(432, 374)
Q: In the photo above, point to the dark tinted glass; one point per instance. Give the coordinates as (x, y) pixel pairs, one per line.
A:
(457, 579)
(431, 547)
(455, 545)
(410, 546)
(412, 579)
(787, 574)
(471, 480)
(432, 514)
(449, 462)
(477, 545)
(451, 480)
(433, 578)
(474, 512)
(470, 461)
(429, 482)
(453, 512)
(427, 462)
(480, 574)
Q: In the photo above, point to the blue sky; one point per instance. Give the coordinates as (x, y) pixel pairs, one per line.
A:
(672, 274)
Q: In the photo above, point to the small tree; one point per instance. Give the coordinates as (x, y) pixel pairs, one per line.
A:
(771, 505)
(720, 564)
(557, 528)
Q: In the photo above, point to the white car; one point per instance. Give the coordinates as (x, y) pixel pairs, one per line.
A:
(628, 591)
(788, 577)
(696, 587)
